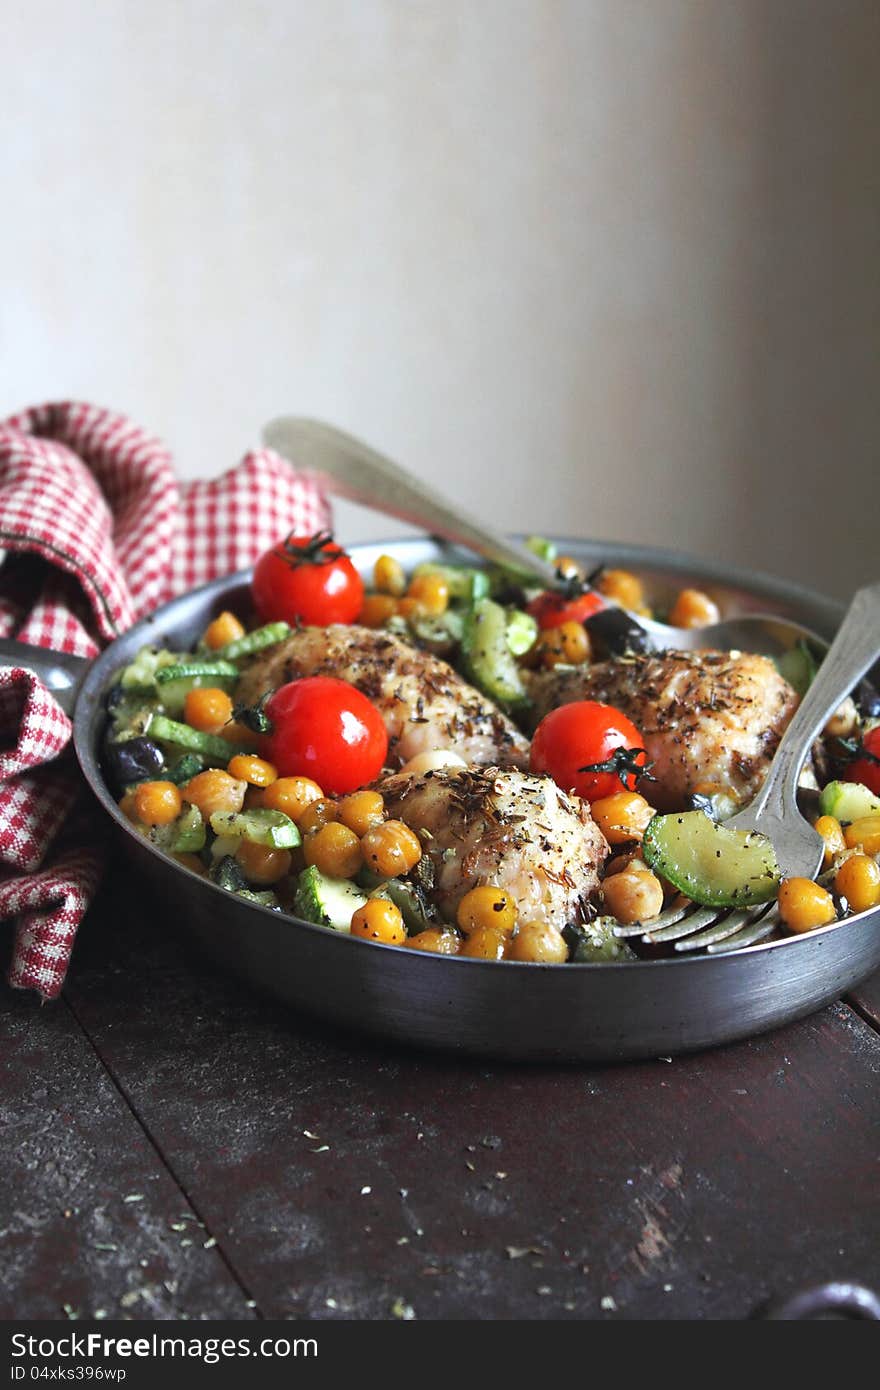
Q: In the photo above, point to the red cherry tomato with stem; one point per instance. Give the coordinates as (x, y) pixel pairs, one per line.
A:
(553, 609)
(327, 730)
(589, 748)
(307, 579)
(865, 767)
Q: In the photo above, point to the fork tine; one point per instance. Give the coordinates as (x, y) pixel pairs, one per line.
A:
(728, 925)
(750, 936)
(684, 925)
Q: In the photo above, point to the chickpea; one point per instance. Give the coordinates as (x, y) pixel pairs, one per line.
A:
(693, 608)
(239, 734)
(223, 630)
(377, 609)
(805, 905)
(257, 772)
(864, 834)
(831, 830)
(126, 806)
(411, 608)
(437, 940)
(565, 645)
(362, 810)
(207, 708)
(485, 907)
(633, 895)
(334, 849)
(379, 920)
(623, 587)
(622, 817)
(538, 943)
(261, 864)
(431, 591)
(486, 943)
(388, 576)
(858, 880)
(292, 795)
(391, 848)
(193, 862)
(316, 815)
(214, 790)
(157, 803)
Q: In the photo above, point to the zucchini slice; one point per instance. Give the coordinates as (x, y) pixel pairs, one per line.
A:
(710, 863)
(487, 658)
(848, 801)
(328, 902)
(260, 826)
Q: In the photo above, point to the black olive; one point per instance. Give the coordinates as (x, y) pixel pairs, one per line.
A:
(134, 760)
(867, 696)
(616, 633)
(115, 696)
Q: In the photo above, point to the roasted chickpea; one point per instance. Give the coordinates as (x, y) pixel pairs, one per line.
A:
(224, 629)
(251, 769)
(214, 790)
(126, 806)
(805, 905)
(693, 608)
(377, 609)
(292, 795)
(832, 833)
(240, 735)
(157, 803)
(437, 940)
(484, 908)
(379, 920)
(411, 608)
(207, 708)
(261, 864)
(633, 895)
(864, 834)
(622, 817)
(431, 591)
(193, 862)
(566, 645)
(391, 849)
(388, 576)
(858, 880)
(334, 849)
(538, 943)
(623, 587)
(361, 811)
(316, 815)
(486, 943)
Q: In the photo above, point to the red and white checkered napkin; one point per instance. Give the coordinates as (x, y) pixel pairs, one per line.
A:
(97, 531)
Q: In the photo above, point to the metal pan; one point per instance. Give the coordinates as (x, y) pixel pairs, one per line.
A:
(604, 1012)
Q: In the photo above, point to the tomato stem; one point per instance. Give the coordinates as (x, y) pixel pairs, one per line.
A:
(319, 549)
(623, 762)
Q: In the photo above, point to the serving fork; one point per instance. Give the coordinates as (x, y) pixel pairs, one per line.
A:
(350, 468)
(774, 811)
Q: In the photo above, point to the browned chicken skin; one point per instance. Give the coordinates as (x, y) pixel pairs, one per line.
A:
(706, 717)
(425, 705)
(506, 829)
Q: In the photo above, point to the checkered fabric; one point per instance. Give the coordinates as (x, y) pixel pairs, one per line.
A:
(96, 532)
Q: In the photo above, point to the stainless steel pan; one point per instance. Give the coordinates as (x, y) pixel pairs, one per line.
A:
(573, 1012)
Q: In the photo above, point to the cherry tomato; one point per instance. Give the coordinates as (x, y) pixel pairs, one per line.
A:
(867, 769)
(573, 737)
(307, 579)
(552, 610)
(327, 730)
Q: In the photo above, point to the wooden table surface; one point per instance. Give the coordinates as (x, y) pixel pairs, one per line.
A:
(178, 1146)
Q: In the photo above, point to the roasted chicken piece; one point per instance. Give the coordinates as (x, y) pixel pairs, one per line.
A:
(706, 717)
(424, 703)
(502, 828)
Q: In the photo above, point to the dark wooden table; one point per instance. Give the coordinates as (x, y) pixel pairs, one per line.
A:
(177, 1146)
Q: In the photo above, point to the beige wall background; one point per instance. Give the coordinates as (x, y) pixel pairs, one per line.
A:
(605, 266)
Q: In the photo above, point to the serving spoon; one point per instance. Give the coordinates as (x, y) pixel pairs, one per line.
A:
(349, 468)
